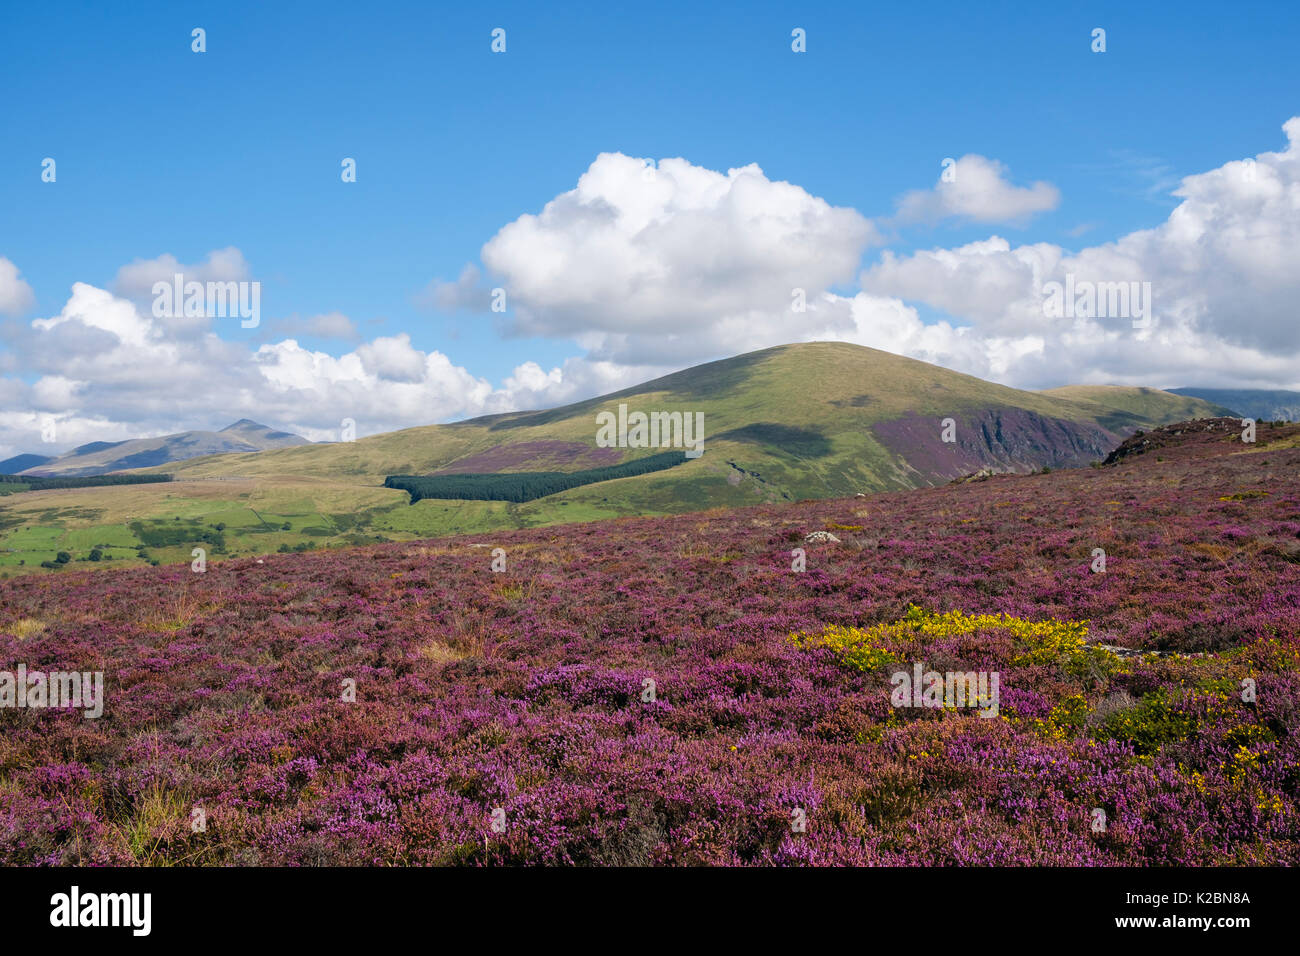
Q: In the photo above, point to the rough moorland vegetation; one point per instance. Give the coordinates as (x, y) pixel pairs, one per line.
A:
(672, 690)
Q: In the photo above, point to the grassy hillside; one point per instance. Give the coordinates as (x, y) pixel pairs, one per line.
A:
(1151, 405)
(802, 421)
(804, 410)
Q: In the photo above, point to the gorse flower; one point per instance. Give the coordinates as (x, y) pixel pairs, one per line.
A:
(1041, 642)
(855, 646)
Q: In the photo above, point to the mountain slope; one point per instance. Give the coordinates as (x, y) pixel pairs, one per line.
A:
(1128, 408)
(540, 670)
(259, 436)
(797, 421)
(11, 466)
(99, 458)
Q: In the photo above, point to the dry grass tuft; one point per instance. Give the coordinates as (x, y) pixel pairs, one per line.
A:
(182, 611)
(159, 816)
(441, 653)
(26, 627)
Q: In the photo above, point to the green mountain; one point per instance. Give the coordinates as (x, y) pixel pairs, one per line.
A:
(11, 466)
(1128, 404)
(796, 421)
(801, 421)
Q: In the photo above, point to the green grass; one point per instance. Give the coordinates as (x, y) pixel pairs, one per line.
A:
(97, 536)
(1137, 407)
(31, 545)
(437, 517)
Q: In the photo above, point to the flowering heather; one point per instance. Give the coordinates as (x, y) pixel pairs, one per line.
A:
(671, 691)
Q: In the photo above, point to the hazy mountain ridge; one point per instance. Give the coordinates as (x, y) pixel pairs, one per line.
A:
(18, 463)
(1124, 408)
(1261, 404)
(100, 458)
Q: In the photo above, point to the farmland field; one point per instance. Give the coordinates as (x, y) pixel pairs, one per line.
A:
(251, 517)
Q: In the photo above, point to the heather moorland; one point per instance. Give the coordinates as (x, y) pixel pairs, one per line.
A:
(674, 690)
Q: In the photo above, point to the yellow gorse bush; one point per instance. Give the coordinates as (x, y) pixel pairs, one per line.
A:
(1066, 719)
(855, 645)
(1043, 642)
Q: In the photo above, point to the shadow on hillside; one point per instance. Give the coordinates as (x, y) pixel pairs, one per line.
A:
(803, 442)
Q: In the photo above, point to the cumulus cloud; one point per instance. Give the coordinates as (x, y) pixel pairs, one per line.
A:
(664, 266)
(1224, 270)
(985, 282)
(466, 292)
(327, 325)
(975, 188)
(646, 274)
(15, 294)
(135, 280)
(579, 377)
(105, 370)
(645, 265)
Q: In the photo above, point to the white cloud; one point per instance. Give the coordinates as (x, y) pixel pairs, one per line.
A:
(1224, 270)
(135, 280)
(975, 189)
(466, 292)
(392, 358)
(530, 386)
(987, 282)
(15, 295)
(327, 325)
(105, 370)
(666, 268)
(645, 277)
(651, 266)
(93, 308)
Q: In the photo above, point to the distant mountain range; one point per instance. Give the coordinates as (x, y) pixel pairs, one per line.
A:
(101, 457)
(12, 466)
(1261, 404)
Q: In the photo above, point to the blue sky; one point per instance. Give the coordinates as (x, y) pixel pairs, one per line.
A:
(162, 151)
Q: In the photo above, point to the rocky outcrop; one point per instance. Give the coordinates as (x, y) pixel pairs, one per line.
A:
(996, 441)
